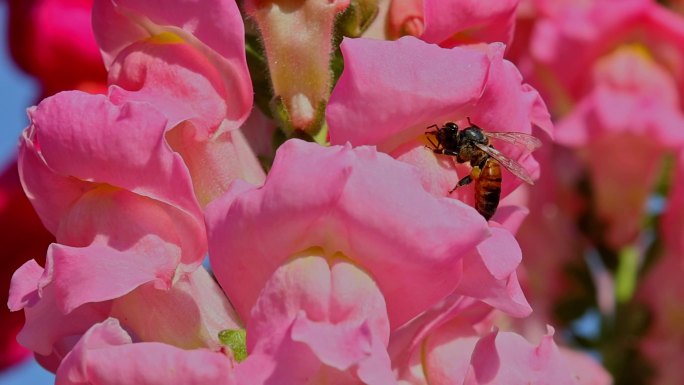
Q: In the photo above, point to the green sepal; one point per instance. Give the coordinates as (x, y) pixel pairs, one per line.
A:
(236, 340)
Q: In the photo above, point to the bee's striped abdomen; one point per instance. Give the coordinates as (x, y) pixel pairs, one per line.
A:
(488, 189)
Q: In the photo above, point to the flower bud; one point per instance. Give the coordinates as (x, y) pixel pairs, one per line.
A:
(297, 37)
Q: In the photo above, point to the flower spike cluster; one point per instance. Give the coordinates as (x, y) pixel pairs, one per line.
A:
(193, 245)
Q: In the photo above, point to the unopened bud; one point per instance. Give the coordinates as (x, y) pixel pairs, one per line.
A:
(297, 37)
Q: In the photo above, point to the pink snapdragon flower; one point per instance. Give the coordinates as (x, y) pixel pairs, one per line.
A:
(320, 192)
(390, 251)
(569, 37)
(624, 126)
(126, 226)
(105, 179)
(418, 85)
(451, 23)
(89, 182)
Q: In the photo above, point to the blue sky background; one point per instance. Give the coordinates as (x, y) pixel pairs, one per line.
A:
(17, 91)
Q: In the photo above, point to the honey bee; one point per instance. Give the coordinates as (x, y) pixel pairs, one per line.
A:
(472, 144)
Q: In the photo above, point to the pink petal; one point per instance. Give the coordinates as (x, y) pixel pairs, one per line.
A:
(626, 123)
(216, 162)
(586, 369)
(429, 85)
(449, 23)
(51, 195)
(106, 356)
(448, 352)
(23, 287)
(189, 315)
(506, 358)
(426, 84)
(632, 94)
(362, 204)
(46, 338)
(510, 216)
(188, 89)
(328, 314)
(572, 36)
(174, 77)
(98, 273)
(490, 275)
(212, 27)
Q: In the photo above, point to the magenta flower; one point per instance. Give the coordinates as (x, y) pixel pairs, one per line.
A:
(53, 41)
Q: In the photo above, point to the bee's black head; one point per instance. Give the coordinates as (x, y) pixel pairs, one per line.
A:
(450, 127)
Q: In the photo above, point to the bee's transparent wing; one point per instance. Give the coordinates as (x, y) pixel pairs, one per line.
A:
(516, 168)
(527, 141)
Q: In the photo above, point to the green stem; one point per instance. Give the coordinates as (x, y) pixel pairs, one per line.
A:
(626, 274)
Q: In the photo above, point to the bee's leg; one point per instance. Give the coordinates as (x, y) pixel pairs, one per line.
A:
(475, 172)
(438, 150)
(464, 181)
(434, 147)
(472, 124)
